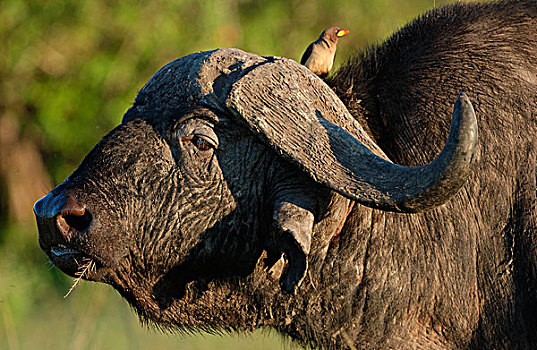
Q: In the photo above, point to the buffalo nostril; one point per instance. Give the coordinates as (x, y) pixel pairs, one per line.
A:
(73, 217)
(79, 223)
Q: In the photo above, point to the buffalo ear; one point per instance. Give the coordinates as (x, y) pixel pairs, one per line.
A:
(292, 228)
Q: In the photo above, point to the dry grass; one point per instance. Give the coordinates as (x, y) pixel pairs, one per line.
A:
(87, 266)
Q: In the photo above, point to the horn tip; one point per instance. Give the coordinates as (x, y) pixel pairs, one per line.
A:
(464, 108)
(462, 98)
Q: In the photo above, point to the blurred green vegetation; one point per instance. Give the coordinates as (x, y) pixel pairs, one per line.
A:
(68, 71)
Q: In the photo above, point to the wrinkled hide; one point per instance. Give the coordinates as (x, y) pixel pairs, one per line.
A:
(242, 192)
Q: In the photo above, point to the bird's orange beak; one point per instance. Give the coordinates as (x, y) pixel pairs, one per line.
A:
(342, 32)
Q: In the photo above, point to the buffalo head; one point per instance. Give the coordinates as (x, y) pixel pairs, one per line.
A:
(226, 158)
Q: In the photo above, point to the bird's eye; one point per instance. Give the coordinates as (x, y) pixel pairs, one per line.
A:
(201, 143)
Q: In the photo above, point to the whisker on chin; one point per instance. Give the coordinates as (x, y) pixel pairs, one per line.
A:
(50, 264)
(83, 270)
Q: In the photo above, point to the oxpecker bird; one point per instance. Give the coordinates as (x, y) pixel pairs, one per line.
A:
(319, 56)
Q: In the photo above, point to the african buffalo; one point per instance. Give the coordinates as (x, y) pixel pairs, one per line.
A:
(239, 192)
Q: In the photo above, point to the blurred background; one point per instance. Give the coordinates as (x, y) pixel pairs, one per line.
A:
(68, 71)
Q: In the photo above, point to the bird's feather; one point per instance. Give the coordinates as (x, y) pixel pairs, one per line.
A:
(306, 54)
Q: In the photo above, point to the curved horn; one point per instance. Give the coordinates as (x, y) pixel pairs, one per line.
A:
(302, 119)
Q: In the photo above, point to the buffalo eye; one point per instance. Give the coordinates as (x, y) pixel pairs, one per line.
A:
(201, 143)
(194, 138)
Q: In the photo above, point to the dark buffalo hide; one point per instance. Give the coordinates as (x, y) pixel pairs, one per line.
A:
(242, 192)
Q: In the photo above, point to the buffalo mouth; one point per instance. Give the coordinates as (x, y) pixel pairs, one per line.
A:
(72, 261)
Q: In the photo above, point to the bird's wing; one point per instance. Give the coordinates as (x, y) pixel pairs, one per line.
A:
(306, 54)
